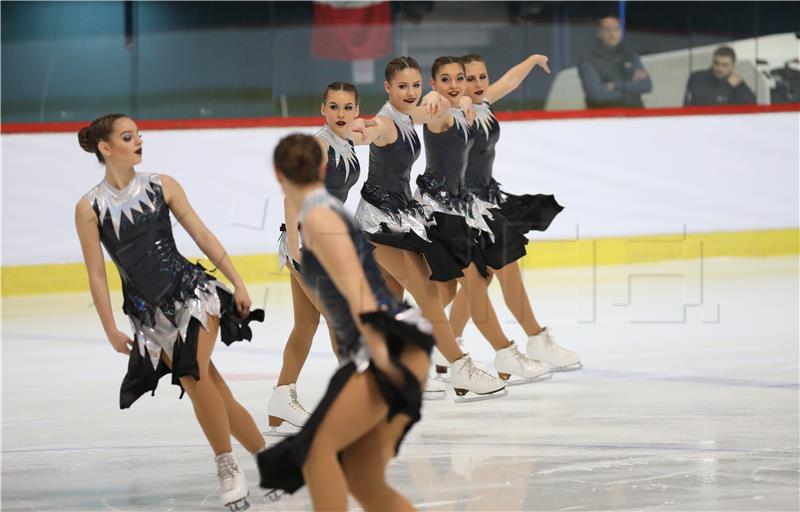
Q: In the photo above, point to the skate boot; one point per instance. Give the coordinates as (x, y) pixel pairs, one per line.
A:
(232, 483)
(543, 347)
(510, 361)
(441, 363)
(434, 390)
(284, 407)
(467, 376)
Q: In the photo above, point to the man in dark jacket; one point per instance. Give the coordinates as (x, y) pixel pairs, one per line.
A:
(613, 76)
(719, 85)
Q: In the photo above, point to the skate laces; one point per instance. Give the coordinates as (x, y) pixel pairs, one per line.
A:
(473, 370)
(522, 359)
(227, 468)
(295, 404)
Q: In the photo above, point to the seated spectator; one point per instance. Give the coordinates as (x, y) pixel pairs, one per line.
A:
(719, 85)
(613, 76)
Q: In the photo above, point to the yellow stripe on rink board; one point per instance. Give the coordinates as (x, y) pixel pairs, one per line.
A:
(653, 248)
(260, 268)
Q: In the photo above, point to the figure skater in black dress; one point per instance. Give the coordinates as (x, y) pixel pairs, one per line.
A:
(175, 308)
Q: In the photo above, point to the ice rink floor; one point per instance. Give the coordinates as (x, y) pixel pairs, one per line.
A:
(688, 401)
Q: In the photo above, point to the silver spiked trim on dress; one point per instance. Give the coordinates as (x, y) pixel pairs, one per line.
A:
(403, 122)
(163, 335)
(123, 202)
(341, 148)
(484, 117)
(460, 119)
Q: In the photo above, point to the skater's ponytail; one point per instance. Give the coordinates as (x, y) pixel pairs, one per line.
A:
(100, 129)
(298, 157)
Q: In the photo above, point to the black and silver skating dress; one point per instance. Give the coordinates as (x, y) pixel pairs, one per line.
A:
(343, 171)
(459, 222)
(281, 465)
(166, 298)
(524, 212)
(388, 211)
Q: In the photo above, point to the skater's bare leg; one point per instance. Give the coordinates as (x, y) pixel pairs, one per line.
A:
(459, 312)
(394, 286)
(358, 408)
(516, 298)
(243, 427)
(412, 272)
(306, 321)
(481, 309)
(447, 291)
(364, 462)
(209, 407)
(459, 309)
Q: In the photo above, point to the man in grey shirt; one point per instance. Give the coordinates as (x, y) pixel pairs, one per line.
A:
(613, 75)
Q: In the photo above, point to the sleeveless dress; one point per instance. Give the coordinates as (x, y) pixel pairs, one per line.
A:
(343, 171)
(281, 465)
(389, 212)
(525, 212)
(166, 298)
(462, 222)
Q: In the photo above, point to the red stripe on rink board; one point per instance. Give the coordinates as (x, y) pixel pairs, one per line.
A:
(524, 115)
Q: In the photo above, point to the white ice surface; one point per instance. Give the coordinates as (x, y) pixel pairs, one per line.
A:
(689, 401)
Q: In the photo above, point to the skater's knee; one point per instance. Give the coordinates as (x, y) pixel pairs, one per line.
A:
(306, 327)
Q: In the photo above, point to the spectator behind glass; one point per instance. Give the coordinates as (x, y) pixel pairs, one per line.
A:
(613, 76)
(719, 85)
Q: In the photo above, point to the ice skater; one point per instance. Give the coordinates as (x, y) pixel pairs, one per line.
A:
(460, 224)
(384, 349)
(175, 308)
(523, 213)
(340, 109)
(398, 225)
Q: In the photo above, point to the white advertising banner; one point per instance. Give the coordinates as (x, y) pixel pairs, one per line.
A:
(615, 177)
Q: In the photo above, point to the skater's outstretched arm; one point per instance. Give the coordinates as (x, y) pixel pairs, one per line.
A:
(514, 77)
(176, 199)
(89, 235)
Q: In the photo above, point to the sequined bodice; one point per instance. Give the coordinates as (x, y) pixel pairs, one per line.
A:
(446, 155)
(481, 156)
(316, 276)
(136, 231)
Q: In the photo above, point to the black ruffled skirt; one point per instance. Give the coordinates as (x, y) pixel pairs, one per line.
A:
(441, 262)
(530, 212)
(143, 377)
(281, 466)
(508, 244)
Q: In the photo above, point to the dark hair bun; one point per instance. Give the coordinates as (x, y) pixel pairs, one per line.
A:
(83, 140)
(299, 157)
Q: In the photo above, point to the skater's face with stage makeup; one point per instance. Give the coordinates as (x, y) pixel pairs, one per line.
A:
(404, 89)
(340, 109)
(477, 80)
(124, 146)
(450, 82)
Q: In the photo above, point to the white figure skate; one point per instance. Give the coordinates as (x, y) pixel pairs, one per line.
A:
(441, 363)
(543, 347)
(284, 408)
(510, 361)
(466, 376)
(232, 483)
